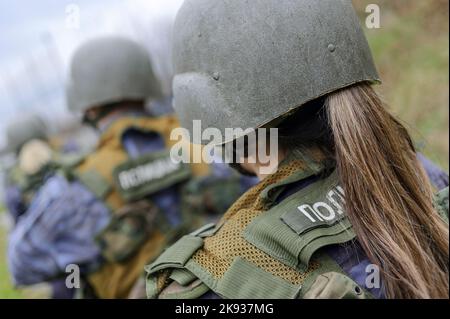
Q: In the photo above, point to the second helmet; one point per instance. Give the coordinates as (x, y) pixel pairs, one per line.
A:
(109, 70)
(23, 129)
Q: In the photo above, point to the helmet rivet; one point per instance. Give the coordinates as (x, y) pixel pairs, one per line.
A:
(331, 47)
(216, 76)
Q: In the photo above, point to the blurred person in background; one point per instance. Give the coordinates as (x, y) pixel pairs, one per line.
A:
(116, 209)
(27, 140)
(35, 161)
(349, 194)
(36, 157)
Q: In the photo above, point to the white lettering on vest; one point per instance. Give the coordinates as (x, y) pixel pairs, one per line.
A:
(147, 172)
(322, 211)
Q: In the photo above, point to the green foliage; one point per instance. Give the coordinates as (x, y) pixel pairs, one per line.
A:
(411, 51)
(6, 289)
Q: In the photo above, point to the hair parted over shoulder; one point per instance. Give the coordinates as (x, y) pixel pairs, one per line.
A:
(389, 199)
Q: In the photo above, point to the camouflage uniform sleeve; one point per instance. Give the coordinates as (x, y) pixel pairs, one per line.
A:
(441, 203)
(215, 193)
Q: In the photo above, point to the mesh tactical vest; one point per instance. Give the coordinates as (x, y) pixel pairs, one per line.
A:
(265, 248)
(262, 248)
(136, 233)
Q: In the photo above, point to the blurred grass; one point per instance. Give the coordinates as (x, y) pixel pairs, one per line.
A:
(411, 52)
(6, 289)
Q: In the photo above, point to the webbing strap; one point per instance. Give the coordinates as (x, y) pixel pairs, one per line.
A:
(191, 291)
(244, 280)
(307, 253)
(177, 255)
(205, 231)
(182, 276)
(95, 183)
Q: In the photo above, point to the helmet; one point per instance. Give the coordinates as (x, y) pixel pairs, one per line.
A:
(247, 64)
(24, 129)
(109, 70)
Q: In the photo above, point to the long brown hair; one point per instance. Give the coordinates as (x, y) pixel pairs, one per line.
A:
(388, 196)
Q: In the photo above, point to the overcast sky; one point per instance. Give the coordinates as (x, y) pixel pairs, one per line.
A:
(38, 38)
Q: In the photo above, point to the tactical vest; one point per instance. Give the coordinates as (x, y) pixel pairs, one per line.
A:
(265, 249)
(136, 233)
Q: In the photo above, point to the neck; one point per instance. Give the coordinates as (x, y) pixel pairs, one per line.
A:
(253, 165)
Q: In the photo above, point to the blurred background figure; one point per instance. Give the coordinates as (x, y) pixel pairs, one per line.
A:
(35, 59)
(34, 160)
(27, 141)
(116, 209)
(77, 222)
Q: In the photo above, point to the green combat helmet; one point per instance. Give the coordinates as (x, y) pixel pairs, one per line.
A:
(109, 70)
(22, 134)
(24, 129)
(237, 65)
